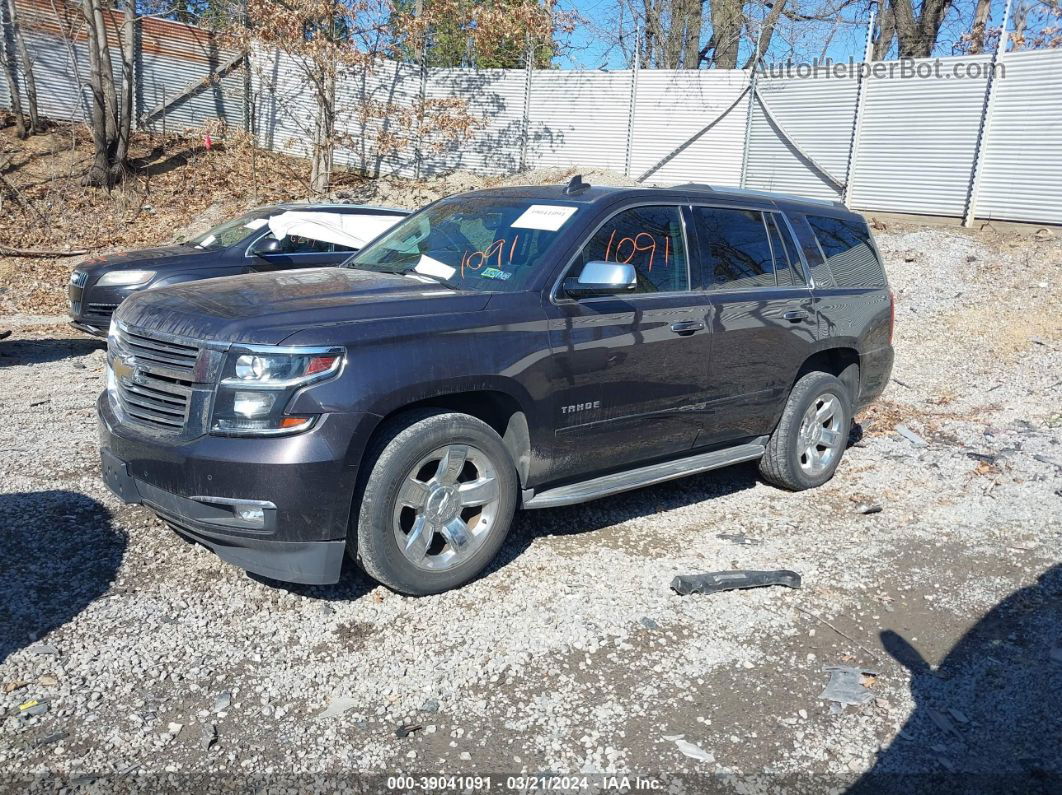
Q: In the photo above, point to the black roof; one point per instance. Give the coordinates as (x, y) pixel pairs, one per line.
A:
(335, 207)
(600, 193)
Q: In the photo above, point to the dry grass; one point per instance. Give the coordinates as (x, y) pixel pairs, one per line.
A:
(175, 184)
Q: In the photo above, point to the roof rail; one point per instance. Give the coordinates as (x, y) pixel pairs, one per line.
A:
(768, 194)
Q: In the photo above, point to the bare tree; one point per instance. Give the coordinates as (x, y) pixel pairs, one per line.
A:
(111, 121)
(35, 125)
(915, 34)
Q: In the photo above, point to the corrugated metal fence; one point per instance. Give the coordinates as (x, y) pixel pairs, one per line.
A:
(924, 138)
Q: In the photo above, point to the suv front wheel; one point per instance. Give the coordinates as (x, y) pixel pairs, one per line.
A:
(807, 445)
(437, 502)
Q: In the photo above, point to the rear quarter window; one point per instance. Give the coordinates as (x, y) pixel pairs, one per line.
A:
(848, 250)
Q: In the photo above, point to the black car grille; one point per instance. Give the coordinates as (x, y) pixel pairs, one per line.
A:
(100, 310)
(78, 278)
(153, 379)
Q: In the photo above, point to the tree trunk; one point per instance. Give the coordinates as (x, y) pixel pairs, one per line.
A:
(127, 108)
(8, 62)
(27, 68)
(917, 35)
(691, 56)
(886, 32)
(106, 71)
(99, 173)
(979, 27)
(727, 21)
(324, 134)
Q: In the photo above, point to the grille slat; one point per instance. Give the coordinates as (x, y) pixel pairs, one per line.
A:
(104, 310)
(158, 392)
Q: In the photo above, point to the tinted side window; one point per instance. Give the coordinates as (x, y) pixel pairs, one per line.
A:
(650, 239)
(848, 251)
(820, 271)
(737, 250)
(786, 261)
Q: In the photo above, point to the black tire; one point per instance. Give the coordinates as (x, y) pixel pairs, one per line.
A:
(781, 462)
(399, 447)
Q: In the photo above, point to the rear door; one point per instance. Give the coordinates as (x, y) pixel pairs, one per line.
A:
(763, 319)
(629, 372)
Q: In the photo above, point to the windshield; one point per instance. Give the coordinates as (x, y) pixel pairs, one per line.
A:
(232, 232)
(471, 242)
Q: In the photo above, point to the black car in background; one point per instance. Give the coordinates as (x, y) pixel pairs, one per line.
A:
(322, 234)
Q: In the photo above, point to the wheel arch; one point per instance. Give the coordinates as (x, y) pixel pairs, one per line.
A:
(501, 408)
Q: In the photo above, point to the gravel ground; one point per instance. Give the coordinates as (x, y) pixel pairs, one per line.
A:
(153, 661)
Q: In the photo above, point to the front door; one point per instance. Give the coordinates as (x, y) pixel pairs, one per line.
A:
(764, 323)
(295, 251)
(629, 372)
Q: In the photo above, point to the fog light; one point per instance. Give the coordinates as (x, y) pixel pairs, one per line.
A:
(252, 514)
(253, 404)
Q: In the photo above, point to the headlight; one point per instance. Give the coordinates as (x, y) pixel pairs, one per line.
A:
(125, 278)
(257, 385)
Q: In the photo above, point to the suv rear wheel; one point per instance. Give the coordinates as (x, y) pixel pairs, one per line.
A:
(811, 436)
(437, 502)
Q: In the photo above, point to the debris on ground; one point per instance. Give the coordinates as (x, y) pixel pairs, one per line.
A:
(848, 685)
(867, 508)
(42, 648)
(911, 436)
(222, 701)
(714, 581)
(32, 708)
(689, 749)
(406, 729)
(740, 539)
(209, 736)
(11, 687)
(337, 707)
(430, 705)
(48, 739)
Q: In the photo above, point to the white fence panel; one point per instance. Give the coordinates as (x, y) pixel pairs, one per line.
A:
(496, 101)
(918, 139)
(672, 108)
(579, 119)
(1021, 177)
(818, 113)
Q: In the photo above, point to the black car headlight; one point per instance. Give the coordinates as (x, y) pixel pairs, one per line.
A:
(258, 382)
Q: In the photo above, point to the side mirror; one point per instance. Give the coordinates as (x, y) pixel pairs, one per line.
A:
(602, 278)
(270, 246)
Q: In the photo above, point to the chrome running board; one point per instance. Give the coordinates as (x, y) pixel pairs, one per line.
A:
(645, 476)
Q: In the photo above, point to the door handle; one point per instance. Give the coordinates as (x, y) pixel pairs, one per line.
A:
(796, 315)
(687, 326)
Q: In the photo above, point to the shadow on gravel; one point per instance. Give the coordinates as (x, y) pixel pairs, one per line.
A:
(353, 584)
(59, 552)
(42, 351)
(591, 516)
(989, 718)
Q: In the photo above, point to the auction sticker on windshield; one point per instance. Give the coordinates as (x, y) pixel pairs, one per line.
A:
(548, 217)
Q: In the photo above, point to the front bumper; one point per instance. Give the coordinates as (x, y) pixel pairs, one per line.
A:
(91, 306)
(303, 482)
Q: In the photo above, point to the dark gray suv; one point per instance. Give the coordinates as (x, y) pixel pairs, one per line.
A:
(501, 349)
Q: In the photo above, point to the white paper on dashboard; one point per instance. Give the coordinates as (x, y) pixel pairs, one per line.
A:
(548, 217)
(256, 223)
(432, 267)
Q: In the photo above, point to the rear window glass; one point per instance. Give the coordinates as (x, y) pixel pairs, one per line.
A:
(848, 251)
(736, 246)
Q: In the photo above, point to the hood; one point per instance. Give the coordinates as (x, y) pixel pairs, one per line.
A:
(266, 308)
(150, 258)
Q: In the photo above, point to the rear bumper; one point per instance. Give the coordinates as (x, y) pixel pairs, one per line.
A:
(301, 484)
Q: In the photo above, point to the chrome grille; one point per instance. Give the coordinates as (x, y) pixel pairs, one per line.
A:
(151, 353)
(153, 379)
(78, 278)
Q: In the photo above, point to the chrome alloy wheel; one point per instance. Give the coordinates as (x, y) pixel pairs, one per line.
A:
(446, 506)
(821, 434)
